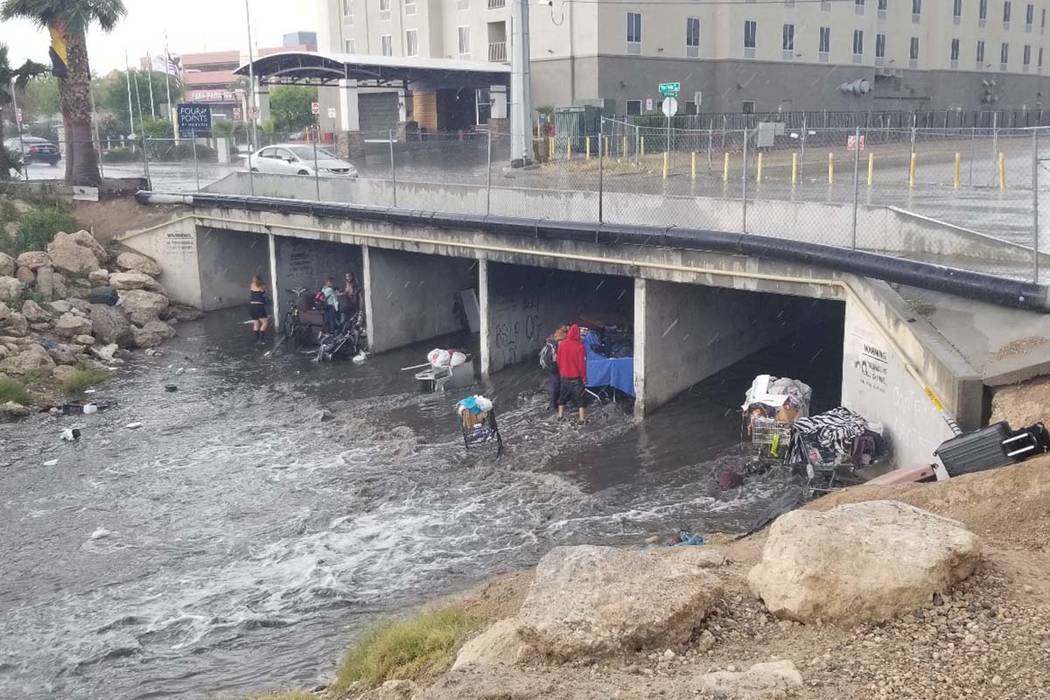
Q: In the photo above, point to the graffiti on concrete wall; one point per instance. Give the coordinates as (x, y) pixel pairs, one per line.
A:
(517, 330)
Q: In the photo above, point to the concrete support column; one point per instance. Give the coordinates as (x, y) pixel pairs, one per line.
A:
(402, 105)
(483, 304)
(275, 288)
(366, 285)
(640, 307)
(348, 107)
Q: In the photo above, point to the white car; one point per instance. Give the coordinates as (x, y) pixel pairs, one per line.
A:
(299, 159)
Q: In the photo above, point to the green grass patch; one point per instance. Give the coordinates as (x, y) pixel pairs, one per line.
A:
(39, 226)
(10, 390)
(416, 648)
(83, 379)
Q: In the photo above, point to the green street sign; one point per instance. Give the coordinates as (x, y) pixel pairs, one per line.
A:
(670, 89)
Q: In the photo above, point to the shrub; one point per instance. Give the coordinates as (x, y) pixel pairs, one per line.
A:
(40, 225)
(82, 379)
(10, 390)
(415, 648)
(119, 155)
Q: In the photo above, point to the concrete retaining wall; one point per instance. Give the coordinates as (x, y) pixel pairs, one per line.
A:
(227, 260)
(174, 246)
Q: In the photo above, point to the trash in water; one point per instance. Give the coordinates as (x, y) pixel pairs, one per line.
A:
(360, 358)
(90, 408)
(50, 462)
(684, 537)
(85, 406)
(100, 533)
(71, 434)
(170, 387)
(180, 370)
(133, 426)
(90, 391)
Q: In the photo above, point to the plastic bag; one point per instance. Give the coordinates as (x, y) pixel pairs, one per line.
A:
(439, 358)
(457, 359)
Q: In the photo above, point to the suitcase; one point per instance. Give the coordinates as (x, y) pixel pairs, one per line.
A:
(988, 448)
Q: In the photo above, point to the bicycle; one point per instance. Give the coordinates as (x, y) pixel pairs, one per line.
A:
(293, 328)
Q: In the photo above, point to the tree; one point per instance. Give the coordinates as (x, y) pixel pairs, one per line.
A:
(68, 21)
(19, 78)
(291, 107)
(41, 97)
(111, 98)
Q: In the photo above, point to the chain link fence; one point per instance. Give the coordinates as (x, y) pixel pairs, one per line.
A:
(965, 196)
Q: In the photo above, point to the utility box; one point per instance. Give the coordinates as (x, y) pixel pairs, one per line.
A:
(577, 123)
(767, 133)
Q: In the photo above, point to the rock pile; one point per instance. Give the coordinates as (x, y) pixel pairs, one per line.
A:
(51, 318)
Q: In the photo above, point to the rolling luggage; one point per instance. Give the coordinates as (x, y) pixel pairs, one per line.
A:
(991, 447)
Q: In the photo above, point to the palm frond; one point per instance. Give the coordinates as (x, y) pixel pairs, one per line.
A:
(77, 15)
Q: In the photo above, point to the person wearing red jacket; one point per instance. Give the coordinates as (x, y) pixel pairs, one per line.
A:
(572, 368)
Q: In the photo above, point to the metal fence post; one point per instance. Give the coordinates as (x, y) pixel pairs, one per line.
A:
(710, 143)
(317, 173)
(393, 170)
(856, 184)
(743, 180)
(1035, 205)
(196, 165)
(995, 136)
(488, 177)
(973, 151)
(802, 154)
(601, 173)
(251, 170)
(145, 157)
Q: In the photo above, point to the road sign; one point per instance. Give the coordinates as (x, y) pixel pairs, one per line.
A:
(315, 107)
(670, 89)
(669, 107)
(194, 118)
(851, 143)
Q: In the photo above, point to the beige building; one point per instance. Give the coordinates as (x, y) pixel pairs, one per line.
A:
(730, 57)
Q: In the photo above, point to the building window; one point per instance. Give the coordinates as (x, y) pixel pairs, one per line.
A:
(824, 44)
(410, 7)
(690, 108)
(1004, 56)
(384, 9)
(750, 37)
(954, 57)
(982, 12)
(880, 49)
(747, 106)
(1006, 14)
(1040, 56)
(883, 6)
(916, 10)
(411, 43)
(1042, 22)
(464, 41)
(957, 11)
(692, 37)
(913, 53)
(348, 11)
(858, 42)
(386, 44)
(1029, 17)
(825, 5)
(348, 45)
(634, 32)
(1027, 60)
(462, 4)
(858, 7)
(788, 43)
(634, 108)
(980, 54)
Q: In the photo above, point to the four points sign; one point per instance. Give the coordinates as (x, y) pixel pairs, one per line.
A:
(194, 119)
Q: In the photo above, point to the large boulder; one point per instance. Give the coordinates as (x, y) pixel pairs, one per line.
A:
(45, 282)
(10, 289)
(31, 359)
(5, 312)
(7, 265)
(138, 263)
(123, 281)
(84, 238)
(152, 334)
(69, 255)
(34, 313)
(14, 410)
(596, 601)
(71, 324)
(768, 681)
(33, 259)
(111, 326)
(143, 306)
(499, 645)
(25, 276)
(16, 325)
(860, 562)
(98, 277)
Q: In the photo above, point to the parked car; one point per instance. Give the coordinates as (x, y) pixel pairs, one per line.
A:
(34, 149)
(297, 159)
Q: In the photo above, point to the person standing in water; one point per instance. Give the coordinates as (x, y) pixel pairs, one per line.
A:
(257, 308)
(350, 297)
(572, 370)
(331, 305)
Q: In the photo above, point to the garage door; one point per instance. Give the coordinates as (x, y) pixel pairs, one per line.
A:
(378, 111)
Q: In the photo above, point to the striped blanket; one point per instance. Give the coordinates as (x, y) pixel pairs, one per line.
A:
(832, 432)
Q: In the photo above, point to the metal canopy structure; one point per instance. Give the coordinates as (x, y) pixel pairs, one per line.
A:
(301, 68)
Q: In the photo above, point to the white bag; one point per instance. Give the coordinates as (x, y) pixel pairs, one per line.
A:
(458, 359)
(439, 358)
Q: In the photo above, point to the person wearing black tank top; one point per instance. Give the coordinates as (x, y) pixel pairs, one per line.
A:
(257, 308)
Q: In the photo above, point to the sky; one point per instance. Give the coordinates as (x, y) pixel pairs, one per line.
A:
(191, 26)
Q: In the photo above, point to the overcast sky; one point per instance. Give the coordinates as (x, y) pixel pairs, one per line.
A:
(191, 25)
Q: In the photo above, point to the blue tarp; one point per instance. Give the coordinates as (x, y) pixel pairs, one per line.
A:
(617, 372)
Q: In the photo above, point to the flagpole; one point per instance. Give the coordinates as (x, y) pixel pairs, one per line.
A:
(127, 75)
(167, 76)
(251, 78)
(149, 77)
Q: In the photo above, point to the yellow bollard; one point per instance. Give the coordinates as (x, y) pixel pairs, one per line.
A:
(725, 169)
(758, 170)
(550, 147)
(587, 148)
(958, 171)
(692, 166)
(606, 146)
(912, 169)
(665, 164)
(871, 169)
(641, 147)
(1002, 172)
(568, 148)
(794, 168)
(831, 168)
(623, 151)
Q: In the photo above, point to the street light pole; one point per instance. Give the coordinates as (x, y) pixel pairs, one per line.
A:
(520, 94)
(251, 77)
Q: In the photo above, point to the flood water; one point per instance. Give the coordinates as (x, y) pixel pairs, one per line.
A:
(237, 542)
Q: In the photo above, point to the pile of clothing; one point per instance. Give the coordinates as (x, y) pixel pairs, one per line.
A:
(779, 398)
(837, 437)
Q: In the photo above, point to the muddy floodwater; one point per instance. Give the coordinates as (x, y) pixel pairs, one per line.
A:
(236, 541)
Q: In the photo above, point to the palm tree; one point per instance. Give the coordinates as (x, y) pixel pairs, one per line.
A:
(70, 19)
(10, 80)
